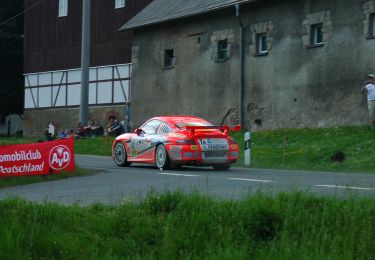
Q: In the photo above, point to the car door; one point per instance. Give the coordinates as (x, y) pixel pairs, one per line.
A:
(142, 149)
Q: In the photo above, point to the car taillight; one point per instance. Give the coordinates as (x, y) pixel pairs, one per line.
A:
(186, 141)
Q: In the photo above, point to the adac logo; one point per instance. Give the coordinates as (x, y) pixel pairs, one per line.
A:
(59, 157)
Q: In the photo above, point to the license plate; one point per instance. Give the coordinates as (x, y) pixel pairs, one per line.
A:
(214, 144)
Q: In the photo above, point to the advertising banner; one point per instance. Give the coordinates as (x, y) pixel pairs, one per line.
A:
(38, 158)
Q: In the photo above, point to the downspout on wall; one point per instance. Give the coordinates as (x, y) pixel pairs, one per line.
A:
(241, 68)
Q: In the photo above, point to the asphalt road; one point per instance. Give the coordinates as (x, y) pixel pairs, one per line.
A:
(110, 184)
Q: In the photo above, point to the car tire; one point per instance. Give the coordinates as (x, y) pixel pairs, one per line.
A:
(161, 157)
(222, 167)
(119, 155)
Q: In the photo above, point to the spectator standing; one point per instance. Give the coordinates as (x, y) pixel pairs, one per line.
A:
(50, 131)
(369, 86)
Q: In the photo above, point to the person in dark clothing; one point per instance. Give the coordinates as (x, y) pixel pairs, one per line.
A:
(116, 129)
(80, 131)
(96, 128)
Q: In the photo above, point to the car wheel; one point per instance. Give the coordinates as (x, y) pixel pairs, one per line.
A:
(222, 167)
(120, 156)
(162, 158)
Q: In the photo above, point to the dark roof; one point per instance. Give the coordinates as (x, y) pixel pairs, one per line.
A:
(159, 11)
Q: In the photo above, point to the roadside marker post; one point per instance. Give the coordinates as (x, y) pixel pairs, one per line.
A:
(247, 148)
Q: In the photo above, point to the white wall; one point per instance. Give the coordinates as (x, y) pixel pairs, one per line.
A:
(108, 85)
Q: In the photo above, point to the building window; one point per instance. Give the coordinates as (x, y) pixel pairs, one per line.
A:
(371, 31)
(261, 39)
(222, 49)
(316, 34)
(63, 8)
(119, 4)
(169, 58)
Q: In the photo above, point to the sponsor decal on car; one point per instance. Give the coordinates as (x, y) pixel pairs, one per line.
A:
(197, 154)
(175, 152)
(188, 154)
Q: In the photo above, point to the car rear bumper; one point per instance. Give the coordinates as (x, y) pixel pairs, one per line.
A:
(193, 155)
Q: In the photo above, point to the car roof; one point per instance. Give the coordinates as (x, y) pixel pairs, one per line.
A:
(173, 120)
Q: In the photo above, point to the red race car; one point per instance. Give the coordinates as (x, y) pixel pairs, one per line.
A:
(169, 141)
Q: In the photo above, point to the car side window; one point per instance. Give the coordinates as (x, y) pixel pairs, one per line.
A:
(164, 129)
(151, 127)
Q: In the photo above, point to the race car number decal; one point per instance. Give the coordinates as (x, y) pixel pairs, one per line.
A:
(205, 141)
(213, 144)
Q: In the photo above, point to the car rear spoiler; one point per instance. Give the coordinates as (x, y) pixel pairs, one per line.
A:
(224, 128)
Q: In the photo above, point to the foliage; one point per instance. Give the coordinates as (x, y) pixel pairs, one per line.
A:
(177, 226)
(11, 70)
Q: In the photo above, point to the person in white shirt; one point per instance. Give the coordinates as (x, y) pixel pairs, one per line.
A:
(369, 86)
(50, 131)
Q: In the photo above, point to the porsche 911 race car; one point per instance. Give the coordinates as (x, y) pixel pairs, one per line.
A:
(172, 141)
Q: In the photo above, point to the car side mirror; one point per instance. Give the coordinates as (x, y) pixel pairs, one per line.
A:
(138, 131)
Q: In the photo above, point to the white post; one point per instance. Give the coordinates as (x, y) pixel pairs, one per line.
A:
(247, 148)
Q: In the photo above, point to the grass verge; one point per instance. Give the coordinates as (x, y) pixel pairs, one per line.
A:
(177, 226)
(94, 146)
(313, 149)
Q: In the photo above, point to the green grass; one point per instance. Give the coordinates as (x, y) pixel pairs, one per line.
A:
(312, 149)
(94, 146)
(16, 140)
(177, 226)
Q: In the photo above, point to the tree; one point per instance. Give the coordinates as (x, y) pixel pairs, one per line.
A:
(11, 57)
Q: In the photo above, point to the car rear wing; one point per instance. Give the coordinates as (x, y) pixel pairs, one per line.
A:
(225, 129)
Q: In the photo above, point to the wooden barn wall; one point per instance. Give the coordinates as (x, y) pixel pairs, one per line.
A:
(54, 43)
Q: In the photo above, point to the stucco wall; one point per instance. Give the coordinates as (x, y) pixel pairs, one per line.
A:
(35, 121)
(292, 86)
